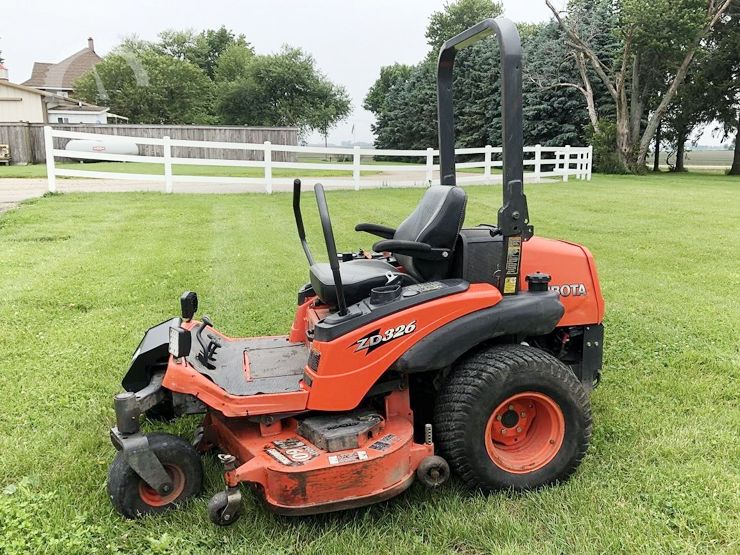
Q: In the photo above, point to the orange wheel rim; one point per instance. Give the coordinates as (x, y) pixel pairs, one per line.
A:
(152, 497)
(525, 432)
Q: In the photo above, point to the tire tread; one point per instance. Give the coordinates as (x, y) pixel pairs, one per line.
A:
(480, 371)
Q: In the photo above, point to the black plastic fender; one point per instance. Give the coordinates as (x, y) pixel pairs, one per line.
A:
(153, 349)
(525, 314)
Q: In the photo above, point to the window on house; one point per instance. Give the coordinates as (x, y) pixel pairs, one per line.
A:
(62, 120)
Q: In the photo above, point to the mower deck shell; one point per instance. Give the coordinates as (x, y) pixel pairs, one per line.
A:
(295, 477)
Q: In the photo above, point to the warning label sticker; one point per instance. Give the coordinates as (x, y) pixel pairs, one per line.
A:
(509, 285)
(384, 442)
(513, 255)
(291, 452)
(278, 456)
(349, 457)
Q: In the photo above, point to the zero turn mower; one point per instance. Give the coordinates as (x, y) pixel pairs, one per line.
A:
(447, 349)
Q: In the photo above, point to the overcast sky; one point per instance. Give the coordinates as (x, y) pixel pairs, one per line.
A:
(350, 39)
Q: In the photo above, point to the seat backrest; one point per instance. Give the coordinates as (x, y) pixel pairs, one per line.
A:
(436, 220)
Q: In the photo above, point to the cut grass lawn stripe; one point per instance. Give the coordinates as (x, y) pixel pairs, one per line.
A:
(83, 276)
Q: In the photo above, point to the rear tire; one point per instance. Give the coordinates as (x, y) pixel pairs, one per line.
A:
(133, 498)
(512, 417)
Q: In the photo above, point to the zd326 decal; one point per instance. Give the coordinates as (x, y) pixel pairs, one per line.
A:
(376, 338)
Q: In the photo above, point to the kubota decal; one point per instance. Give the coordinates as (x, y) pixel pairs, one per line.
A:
(376, 338)
(570, 289)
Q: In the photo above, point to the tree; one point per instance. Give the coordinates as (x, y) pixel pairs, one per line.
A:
(688, 111)
(149, 87)
(456, 17)
(722, 72)
(283, 89)
(376, 100)
(233, 63)
(554, 111)
(657, 41)
(332, 106)
(202, 49)
(408, 116)
(403, 98)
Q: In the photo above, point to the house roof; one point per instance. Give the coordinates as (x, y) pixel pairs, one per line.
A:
(78, 108)
(65, 73)
(23, 88)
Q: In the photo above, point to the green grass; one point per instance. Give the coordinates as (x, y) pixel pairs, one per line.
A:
(84, 275)
(39, 170)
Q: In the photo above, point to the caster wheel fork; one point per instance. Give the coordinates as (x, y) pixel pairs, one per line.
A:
(225, 507)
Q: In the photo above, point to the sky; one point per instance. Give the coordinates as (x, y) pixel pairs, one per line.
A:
(350, 39)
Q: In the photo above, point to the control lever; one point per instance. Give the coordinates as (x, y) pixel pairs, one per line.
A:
(209, 350)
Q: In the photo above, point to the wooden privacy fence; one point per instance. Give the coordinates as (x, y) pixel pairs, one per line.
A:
(558, 162)
(26, 140)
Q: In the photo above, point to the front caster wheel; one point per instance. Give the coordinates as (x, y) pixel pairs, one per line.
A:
(224, 511)
(513, 417)
(433, 471)
(133, 497)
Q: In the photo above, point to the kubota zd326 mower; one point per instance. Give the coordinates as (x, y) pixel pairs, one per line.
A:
(464, 349)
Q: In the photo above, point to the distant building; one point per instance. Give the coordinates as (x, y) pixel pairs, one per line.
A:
(19, 103)
(46, 96)
(59, 78)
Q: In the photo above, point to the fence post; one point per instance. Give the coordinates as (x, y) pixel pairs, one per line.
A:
(268, 167)
(167, 146)
(430, 165)
(583, 165)
(50, 165)
(487, 166)
(566, 162)
(589, 162)
(537, 163)
(584, 161)
(356, 167)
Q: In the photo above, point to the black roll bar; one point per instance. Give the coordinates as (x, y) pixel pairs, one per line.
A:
(513, 217)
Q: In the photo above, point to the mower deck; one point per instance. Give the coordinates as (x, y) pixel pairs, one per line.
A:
(252, 366)
(297, 477)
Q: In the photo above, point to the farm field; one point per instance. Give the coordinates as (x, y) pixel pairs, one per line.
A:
(721, 159)
(84, 275)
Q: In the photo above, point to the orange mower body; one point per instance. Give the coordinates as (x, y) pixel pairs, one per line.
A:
(445, 350)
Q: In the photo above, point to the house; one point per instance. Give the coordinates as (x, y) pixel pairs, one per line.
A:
(19, 103)
(59, 78)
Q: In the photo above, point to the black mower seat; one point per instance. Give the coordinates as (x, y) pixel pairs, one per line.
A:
(434, 224)
(358, 278)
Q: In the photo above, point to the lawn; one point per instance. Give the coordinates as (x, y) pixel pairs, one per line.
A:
(83, 275)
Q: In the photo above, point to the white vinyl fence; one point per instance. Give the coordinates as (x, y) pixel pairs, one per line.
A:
(540, 162)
